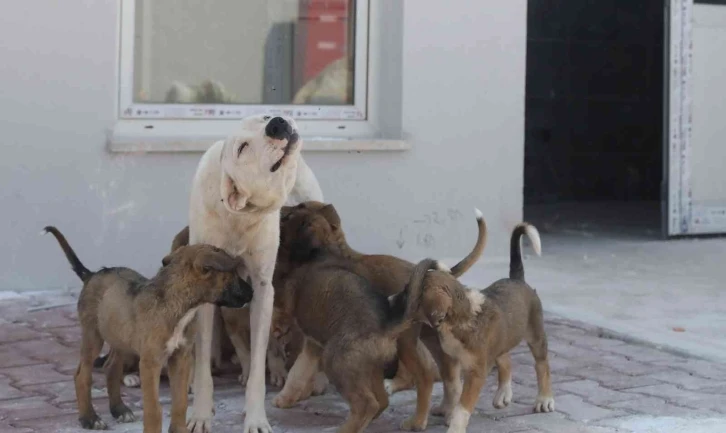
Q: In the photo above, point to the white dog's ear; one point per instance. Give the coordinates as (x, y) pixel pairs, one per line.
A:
(233, 198)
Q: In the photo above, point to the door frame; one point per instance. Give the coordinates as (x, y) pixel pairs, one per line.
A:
(676, 204)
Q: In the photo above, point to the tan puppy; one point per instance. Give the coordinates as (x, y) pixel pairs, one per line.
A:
(151, 319)
(350, 330)
(476, 330)
(313, 229)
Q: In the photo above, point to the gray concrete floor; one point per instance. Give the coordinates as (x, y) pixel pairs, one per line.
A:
(604, 264)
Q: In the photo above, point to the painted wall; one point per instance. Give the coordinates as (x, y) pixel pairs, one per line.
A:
(460, 75)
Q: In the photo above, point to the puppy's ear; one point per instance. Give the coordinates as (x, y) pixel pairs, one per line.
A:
(216, 260)
(166, 260)
(234, 199)
(181, 239)
(331, 215)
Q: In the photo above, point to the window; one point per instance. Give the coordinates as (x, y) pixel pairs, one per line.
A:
(218, 60)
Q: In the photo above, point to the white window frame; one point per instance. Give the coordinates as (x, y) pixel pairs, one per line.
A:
(357, 125)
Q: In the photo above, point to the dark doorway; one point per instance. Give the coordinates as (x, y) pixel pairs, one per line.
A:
(594, 115)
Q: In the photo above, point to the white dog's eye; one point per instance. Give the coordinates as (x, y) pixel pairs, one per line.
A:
(266, 118)
(241, 148)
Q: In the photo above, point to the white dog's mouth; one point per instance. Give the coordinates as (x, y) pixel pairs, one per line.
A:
(292, 142)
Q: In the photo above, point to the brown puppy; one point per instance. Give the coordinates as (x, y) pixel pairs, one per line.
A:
(312, 230)
(237, 329)
(314, 226)
(476, 330)
(352, 330)
(151, 319)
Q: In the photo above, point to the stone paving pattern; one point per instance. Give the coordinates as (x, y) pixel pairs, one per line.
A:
(601, 385)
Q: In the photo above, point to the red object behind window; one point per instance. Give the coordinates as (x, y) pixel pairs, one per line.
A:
(322, 34)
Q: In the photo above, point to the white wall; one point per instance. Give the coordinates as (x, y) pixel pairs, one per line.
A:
(463, 111)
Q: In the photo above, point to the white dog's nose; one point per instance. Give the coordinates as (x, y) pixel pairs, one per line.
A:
(278, 128)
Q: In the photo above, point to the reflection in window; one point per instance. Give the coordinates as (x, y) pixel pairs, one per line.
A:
(244, 52)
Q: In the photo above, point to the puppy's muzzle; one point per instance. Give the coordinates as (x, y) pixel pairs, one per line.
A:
(236, 295)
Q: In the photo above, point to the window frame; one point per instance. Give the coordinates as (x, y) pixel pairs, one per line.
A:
(360, 125)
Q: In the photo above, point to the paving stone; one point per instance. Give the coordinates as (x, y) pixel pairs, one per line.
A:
(65, 391)
(684, 397)
(67, 423)
(12, 332)
(69, 336)
(557, 423)
(610, 378)
(33, 374)
(29, 408)
(685, 380)
(658, 407)
(8, 392)
(701, 368)
(44, 349)
(579, 410)
(593, 393)
(597, 383)
(642, 353)
(7, 428)
(54, 318)
(629, 365)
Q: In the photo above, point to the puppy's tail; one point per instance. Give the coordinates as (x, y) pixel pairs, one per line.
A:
(80, 270)
(405, 304)
(516, 268)
(481, 241)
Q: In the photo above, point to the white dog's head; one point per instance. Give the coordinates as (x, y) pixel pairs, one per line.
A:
(259, 164)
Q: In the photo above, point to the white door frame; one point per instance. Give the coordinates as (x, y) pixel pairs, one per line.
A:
(677, 122)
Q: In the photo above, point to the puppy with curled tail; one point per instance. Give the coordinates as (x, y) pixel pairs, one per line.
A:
(477, 329)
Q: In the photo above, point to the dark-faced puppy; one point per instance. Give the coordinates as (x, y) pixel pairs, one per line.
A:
(477, 329)
(350, 332)
(152, 319)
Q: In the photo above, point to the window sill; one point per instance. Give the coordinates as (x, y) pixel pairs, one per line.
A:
(139, 144)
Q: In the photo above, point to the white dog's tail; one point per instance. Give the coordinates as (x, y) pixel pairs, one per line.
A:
(516, 268)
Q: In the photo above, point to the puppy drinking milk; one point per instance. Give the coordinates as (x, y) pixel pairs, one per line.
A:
(152, 319)
(476, 330)
(314, 229)
(350, 330)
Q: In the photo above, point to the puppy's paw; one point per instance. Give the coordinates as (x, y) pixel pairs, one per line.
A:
(122, 414)
(93, 422)
(441, 410)
(277, 379)
(283, 401)
(199, 425)
(393, 386)
(503, 396)
(411, 424)
(242, 379)
(132, 380)
(544, 403)
(320, 384)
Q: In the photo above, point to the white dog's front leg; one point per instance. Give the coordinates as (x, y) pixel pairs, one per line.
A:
(260, 319)
(201, 417)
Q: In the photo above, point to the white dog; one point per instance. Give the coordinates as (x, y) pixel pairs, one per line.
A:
(239, 187)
